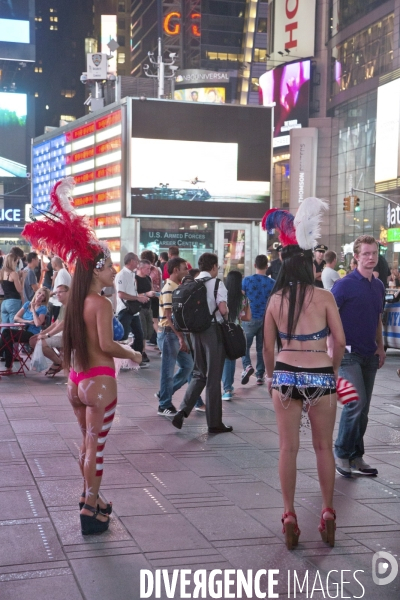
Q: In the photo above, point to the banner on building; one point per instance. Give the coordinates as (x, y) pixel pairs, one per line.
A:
(303, 164)
(292, 30)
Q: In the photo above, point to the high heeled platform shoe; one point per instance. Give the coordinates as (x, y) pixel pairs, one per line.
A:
(291, 531)
(107, 510)
(91, 525)
(327, 527)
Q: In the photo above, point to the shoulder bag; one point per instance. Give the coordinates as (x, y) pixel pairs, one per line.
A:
(233, 336)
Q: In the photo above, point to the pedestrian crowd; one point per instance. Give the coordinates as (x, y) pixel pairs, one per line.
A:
(326, 328)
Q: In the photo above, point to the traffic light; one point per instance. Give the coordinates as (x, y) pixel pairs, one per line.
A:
(357, 207)
(346, 203)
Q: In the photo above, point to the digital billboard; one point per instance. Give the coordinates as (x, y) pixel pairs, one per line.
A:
(92, 153)
(190, 170)
(17, 30)
(215, 95)
(108, 33)
(199, 159)
(13, 134)
(387, 132)
(288, 87)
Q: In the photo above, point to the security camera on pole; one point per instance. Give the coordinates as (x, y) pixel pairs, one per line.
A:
(160, 66)
(97, 75)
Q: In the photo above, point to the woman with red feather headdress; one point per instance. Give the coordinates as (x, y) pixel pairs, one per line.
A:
(299, 318)
(88, 340)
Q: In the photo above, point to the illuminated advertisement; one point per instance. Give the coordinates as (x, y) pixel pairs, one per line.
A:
(92, 154)
(190, 170)
(193, 158)
(387, 132)
(207, 94)
(108, 33)
(13, 134)
(17, 30)
(289, 87)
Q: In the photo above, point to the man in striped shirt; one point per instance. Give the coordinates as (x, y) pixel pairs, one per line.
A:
(172, 343)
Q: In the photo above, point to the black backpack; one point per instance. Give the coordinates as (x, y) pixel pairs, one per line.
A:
(190, 307)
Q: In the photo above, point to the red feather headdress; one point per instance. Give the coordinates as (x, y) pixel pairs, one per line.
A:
(64, 232)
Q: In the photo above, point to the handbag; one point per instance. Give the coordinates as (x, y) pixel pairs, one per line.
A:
(133, 306)
(234, 340)
(245, 314)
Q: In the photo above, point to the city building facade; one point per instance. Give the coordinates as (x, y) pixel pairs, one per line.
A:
(352, 128)
(210, 37)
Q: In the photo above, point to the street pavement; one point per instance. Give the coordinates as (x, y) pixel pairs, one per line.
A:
(186, 499)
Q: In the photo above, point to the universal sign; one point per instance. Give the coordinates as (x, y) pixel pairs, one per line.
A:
(293, 29)
(12, 215)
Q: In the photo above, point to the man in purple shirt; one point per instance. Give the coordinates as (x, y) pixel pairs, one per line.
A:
(360, 299)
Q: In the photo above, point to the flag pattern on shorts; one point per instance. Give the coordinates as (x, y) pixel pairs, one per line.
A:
(101, 440)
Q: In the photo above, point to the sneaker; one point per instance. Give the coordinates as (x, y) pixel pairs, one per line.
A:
(157, 395)
(247, 373)
(343, 467)
(359, 467)
(227, 395)
(145, 358)
(201, 408)
(143, 365)
(260, 381)
(167, 412)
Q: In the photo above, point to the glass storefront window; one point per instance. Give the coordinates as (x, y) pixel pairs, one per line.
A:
(353, 165)
(366, 54)
(281, 176)
(193, 237)
(234, 250)
(345, 12)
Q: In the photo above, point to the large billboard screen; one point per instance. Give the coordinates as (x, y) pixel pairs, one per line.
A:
(387, 132)
(13, 134)
(91, 151)
(196, 159)
(17, 30)
(288, 87)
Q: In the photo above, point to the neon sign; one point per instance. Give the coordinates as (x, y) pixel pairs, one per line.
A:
(172, 23)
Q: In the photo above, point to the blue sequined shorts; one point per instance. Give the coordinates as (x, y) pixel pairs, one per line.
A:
(294, 382)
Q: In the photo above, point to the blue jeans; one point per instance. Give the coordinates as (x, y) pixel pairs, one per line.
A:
(9, 309)
(228, 374)
(254, 329)
(360, 371)
(168, 342)
(132, 323)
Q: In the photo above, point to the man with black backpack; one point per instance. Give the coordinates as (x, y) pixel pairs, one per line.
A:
(209, 351)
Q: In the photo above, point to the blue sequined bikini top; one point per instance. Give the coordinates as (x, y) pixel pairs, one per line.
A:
(307, 337)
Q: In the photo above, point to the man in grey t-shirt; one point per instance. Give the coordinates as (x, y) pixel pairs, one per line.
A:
(30, 281)
(329, 275)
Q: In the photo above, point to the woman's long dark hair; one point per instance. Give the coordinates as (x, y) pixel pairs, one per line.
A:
(295, 279)
(74, 330)
(233, 284)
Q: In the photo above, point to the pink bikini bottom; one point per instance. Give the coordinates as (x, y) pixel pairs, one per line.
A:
(93, 372)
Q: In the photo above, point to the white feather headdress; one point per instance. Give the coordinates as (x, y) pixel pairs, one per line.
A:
(308, 222)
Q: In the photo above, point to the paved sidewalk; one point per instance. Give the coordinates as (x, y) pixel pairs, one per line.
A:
(184, 499)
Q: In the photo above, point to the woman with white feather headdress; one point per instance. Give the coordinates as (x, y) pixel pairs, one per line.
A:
(299, 318)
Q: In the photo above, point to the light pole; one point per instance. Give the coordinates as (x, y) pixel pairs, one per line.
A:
(160, 66)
